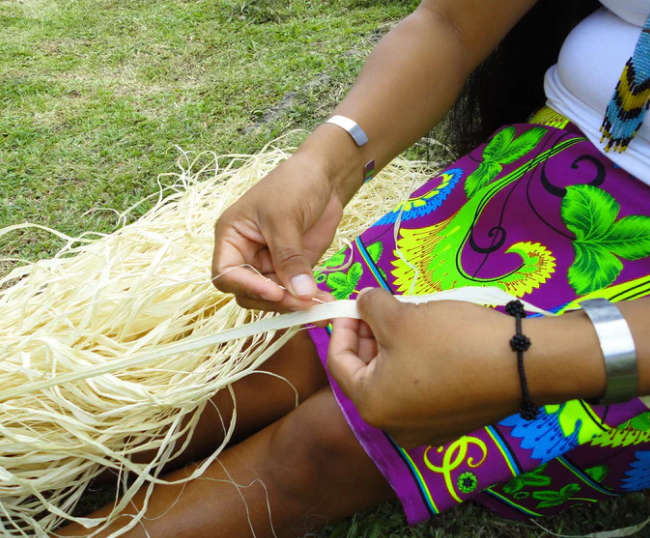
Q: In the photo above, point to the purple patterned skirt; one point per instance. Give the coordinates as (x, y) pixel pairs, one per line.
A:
(539, 212)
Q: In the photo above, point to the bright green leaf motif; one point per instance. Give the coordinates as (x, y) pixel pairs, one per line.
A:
(503, 149)
(590, 213)
(344, 284)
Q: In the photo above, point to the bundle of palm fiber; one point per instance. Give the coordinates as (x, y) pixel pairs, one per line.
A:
(103, 348)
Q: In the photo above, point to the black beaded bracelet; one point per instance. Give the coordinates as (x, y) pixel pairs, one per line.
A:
(520, 343)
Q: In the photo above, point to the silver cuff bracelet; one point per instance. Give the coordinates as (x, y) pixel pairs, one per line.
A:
(618, 349)
(351, 126)
(360, 138)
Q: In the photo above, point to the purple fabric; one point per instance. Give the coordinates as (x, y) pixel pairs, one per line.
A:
(539, 212)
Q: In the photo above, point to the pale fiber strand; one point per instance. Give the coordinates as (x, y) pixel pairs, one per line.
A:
(118, 343)
(142, 291)
(321, 312)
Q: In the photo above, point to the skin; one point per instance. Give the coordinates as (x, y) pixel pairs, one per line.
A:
(411, 369)
(284, 224)
(392, 364)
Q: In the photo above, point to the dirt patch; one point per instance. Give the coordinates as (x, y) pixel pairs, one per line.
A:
(321, 84)
(64, 46)
(377, 35)
(289, 100)
(275, 113)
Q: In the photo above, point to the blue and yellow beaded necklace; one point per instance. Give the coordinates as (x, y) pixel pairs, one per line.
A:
(628, 107)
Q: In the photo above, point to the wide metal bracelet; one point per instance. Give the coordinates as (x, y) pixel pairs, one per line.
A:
(351, 126)
(360, 138)
(618, 349)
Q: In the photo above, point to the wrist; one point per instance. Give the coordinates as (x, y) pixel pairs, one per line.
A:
(564, 361)
(335, 152)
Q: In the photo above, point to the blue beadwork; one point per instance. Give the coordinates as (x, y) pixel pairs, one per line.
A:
(627, 109)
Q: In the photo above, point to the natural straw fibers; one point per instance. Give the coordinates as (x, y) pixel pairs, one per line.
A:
(142, 290)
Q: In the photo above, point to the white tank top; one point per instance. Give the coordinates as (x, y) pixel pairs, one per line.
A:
(591, 61)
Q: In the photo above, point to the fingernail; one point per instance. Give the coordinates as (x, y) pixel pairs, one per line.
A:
(364, 290)
(302, 286)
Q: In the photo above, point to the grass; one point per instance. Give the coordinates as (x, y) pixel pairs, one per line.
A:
(96, 95)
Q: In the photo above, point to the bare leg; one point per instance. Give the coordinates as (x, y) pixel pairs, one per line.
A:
(312, 468)
(261, 400)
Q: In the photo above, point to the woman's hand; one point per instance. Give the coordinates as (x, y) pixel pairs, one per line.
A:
(425, 374)
(281, 227)
(428, 374)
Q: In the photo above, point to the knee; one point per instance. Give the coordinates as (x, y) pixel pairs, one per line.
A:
(312, 446)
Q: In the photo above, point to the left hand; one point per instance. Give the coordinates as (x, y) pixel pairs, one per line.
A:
(426, 374)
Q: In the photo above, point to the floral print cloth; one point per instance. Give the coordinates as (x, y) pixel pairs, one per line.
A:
(539, 212)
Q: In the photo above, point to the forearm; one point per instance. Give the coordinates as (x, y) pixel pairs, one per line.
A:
(409, 83)
(565, 361)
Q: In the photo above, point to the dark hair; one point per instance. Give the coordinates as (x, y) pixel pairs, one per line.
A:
(509, 85)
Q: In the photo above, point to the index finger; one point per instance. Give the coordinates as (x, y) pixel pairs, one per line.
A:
(343, 360)
(231, 275)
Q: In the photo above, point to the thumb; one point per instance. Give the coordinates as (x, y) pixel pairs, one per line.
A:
(344, 364)
(289, 261)
(381, 311)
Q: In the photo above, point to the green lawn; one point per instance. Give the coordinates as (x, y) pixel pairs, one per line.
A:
(96, 94)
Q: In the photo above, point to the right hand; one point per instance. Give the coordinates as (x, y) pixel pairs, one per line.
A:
(281, 227)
